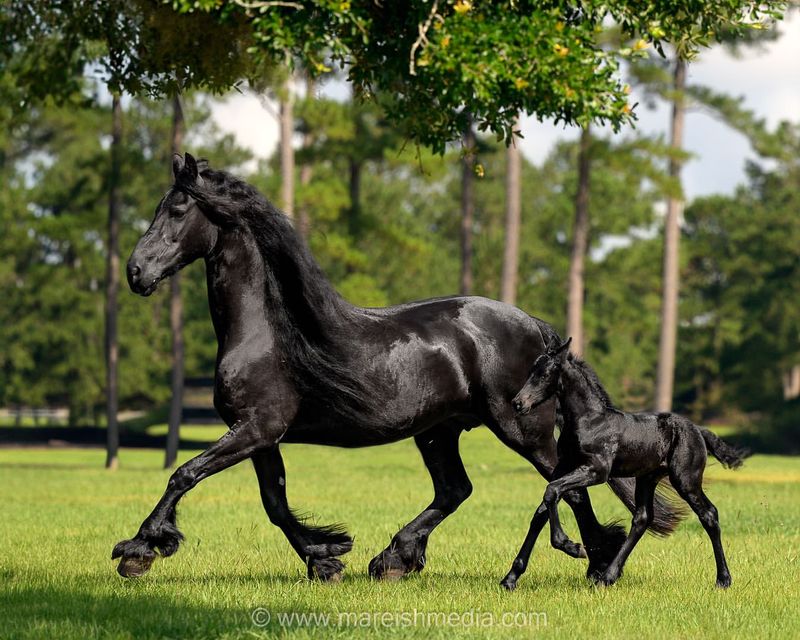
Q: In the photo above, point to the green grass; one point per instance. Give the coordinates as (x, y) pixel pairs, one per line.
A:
(62, 514)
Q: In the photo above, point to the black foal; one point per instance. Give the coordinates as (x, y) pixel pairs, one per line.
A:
(598, 442)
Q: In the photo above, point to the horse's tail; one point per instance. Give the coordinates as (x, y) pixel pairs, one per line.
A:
(730, 456)
(668, 511)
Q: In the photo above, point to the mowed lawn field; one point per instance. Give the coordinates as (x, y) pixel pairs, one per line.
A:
(62, 513)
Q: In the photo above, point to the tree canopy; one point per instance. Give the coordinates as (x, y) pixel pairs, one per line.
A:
(430, 63)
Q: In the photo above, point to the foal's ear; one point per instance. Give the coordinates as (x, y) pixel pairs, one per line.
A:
(563, 350)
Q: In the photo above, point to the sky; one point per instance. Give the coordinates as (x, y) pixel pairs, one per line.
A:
(769, 81)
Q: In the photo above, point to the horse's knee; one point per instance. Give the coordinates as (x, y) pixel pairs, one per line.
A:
(550, 495)
(182, 479)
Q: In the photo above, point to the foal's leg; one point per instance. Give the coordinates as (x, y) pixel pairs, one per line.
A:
(158, 531)
(531, 436)
(642, 518)
(316, 546)
(451, 486)
(581, 478)
(690, 488)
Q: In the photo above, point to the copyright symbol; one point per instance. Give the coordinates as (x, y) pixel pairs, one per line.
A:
(260, 617)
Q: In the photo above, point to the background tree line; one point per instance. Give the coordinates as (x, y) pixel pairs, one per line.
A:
(580, 240)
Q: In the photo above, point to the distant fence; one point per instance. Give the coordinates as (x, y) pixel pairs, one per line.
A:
(198, 402)
(39, 415)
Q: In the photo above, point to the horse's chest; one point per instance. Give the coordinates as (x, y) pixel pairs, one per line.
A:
(250, 380)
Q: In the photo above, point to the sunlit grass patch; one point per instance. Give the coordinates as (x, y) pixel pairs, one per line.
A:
(63, 513)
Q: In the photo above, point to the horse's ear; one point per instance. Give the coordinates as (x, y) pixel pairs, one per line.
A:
(177, 164)
(191, 166)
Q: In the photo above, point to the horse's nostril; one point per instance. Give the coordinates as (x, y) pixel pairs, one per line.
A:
(517, 405)
(134, 271)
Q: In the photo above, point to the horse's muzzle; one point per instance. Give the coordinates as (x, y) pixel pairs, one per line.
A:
(138, 283)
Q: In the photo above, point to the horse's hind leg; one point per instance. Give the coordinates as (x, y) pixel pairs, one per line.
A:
(316, 546)
(642, 519)
(451, 486)
(158, 531)
(687, 478)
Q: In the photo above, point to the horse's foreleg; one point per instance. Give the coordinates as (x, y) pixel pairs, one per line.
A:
(451, 486)
(158, 532)
(316, 546)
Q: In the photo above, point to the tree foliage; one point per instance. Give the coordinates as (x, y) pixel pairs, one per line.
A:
(428, 62)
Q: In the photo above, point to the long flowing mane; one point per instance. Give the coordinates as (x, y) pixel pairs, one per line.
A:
(592, 380)
(311, 319)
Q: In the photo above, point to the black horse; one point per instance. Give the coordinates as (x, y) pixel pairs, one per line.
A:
(297, 363)
(599, 442)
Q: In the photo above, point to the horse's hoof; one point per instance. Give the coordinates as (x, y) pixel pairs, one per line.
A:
(723, 582)
(393, 575)
(134, 567)
(605, 580)
(325, 569)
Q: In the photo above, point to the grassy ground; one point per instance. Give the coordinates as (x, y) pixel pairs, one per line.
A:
(62, 513)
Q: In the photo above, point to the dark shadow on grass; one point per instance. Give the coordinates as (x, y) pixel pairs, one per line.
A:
(44, 612)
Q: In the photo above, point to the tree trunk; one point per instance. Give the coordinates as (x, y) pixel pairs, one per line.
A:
(287, 150)
(669, 295)
(467, 208)
(112, 288)
(175, 318)
(306, 170)
(580, 245)
(508, 292)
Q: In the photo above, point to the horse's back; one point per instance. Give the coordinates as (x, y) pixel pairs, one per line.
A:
(491, 344)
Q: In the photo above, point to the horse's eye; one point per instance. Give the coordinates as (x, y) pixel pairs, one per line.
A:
(177, 212)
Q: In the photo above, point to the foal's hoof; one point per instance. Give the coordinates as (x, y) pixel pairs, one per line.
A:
(723, 582)
(325, 569)
(391, 565)
(509, 583)
(573, 549)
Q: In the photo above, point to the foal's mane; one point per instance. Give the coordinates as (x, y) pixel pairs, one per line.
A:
(311, 318)
(592, 381)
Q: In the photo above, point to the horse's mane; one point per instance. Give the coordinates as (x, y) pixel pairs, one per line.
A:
(592, 380)
(310, 316)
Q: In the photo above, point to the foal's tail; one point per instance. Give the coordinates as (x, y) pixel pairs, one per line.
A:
(668, 512)
(730, 456)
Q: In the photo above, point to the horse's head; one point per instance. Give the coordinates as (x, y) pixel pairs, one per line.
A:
(179, 234)
(542, 383)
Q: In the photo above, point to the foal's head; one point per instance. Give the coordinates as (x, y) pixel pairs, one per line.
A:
(180, 232)
(542, 383)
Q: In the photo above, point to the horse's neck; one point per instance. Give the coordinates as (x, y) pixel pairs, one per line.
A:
(576, 396)
(236, 284)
